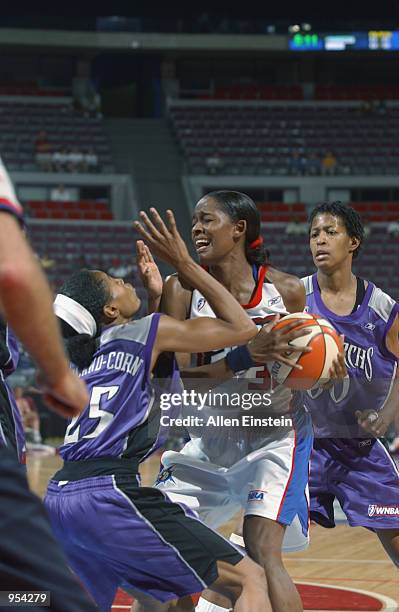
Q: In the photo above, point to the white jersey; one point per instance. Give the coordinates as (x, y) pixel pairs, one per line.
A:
(228, 444)
(260, 470)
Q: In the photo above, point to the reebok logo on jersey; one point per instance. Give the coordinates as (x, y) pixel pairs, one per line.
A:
(369, 326)
(201, 303)
(375, 510)
(256, 495)
(274, 300)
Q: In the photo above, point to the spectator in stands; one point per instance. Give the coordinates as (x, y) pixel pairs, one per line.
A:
(60, 194)
(298, 163)
(90, 161)
(296, 227)
(313, 166)
(393, 228)
(86, 97)
(30, 416)
(329, 163)
(75, 160)
(214, 163)
(43, 151)
(366, 107)
(60, 160)
(46, 262)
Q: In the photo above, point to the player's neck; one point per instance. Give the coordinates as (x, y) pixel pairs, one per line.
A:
(235, 274)
(338, 281)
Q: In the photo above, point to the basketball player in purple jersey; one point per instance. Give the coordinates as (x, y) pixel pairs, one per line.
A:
(12, 432)
(115, 533)
(267, 469)
(349, 462)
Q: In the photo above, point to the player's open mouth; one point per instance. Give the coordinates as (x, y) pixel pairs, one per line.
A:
(201, 244)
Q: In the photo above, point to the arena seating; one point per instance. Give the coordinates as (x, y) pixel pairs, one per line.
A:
(260, 139)
(30, 88)
(21, 121)
(256, 92)
(370, 211)
(76, 244)
(81, 209)
(99, 242)
(284, 213)
(253, 91)
(356, 92)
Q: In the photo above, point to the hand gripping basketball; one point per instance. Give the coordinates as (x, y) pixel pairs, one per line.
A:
(317, 365)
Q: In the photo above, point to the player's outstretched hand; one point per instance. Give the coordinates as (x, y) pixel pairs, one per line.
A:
(372, 422)
(275, 345)
(164, 240)
(148, 270)
(68, 397)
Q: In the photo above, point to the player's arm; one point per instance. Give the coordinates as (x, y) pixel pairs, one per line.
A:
(175, 302)
(290, 288)
(377, 423)
(27, 304)
(267, 345)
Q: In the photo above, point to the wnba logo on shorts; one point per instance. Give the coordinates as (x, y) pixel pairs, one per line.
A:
(256, 495)
(375, 510)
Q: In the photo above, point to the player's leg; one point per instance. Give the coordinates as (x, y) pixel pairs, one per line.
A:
(278, 498)
(389, 538)
(30, 559)
(263, 541)
(276, 503)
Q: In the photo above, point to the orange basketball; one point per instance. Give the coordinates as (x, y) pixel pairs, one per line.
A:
(325, 343)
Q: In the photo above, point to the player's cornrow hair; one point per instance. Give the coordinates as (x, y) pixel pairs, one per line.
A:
(238, 206)
(92, 293)
(349, 216)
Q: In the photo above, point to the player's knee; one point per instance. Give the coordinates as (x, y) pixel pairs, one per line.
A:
(246, 575)
(251, 574)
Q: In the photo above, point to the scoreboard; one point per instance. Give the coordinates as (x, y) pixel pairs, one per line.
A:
(374, 40)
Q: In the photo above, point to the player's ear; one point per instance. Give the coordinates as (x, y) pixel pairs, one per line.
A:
(240, 228)
(111, 312)
(354, 243)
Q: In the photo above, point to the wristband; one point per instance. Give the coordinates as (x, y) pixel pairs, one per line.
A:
(239, 359)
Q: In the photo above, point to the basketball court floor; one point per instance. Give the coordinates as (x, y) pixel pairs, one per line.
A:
(344, 569)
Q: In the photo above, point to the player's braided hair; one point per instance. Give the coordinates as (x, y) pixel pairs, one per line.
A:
(348, 215)
(92, 293)
(238, 206)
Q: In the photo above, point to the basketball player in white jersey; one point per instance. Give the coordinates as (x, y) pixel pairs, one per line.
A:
(262, 470)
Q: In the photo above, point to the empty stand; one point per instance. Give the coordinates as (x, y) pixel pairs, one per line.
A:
(81, 209)
(260, 139)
